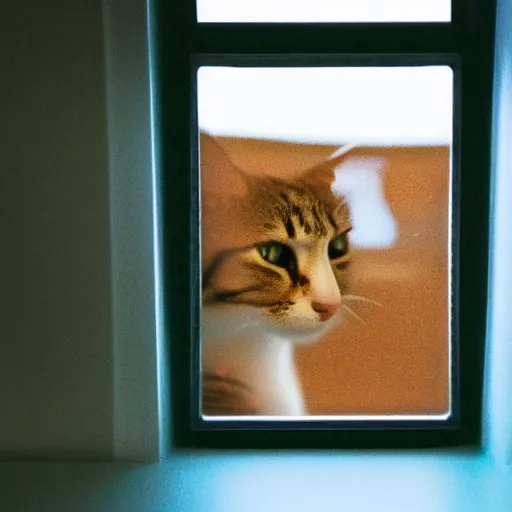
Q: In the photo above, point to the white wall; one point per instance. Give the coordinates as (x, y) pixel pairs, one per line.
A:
(78, 358)
(499, 346)
(56, 393)
(139, 360)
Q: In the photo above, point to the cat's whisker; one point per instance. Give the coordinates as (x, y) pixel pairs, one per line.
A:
(354, 314)
(362, 299)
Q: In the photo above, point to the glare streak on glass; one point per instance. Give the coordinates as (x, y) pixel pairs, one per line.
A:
(328, 11)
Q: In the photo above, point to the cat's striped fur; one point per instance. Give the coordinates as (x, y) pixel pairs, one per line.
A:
(275, 263)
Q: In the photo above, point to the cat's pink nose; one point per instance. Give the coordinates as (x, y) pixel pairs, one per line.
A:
(326, 309)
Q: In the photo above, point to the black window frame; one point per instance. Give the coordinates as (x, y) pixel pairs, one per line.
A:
(178, 46)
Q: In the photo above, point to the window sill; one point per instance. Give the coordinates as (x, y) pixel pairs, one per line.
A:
(415, 481)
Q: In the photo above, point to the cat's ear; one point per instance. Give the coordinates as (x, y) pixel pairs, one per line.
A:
(219, 174)
(324, 174)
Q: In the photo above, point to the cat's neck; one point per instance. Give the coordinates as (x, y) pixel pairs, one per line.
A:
(265, 362)
(262, 351)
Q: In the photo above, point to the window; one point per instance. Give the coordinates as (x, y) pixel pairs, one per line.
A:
(404, 366)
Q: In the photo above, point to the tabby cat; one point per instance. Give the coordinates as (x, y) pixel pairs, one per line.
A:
(275, 257)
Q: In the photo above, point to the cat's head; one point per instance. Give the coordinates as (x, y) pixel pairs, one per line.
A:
(275, 253)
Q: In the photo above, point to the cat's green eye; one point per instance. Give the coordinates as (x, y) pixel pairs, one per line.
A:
(278, 254)
(338, 247)
(271, 252)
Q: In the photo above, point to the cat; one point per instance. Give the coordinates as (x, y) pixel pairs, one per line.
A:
(275, 263)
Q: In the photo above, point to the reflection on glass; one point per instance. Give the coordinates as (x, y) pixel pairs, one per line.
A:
(330, 11)
(325, 241)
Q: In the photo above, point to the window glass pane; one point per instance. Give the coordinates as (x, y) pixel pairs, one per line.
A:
(273, 11)
(321, 297)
